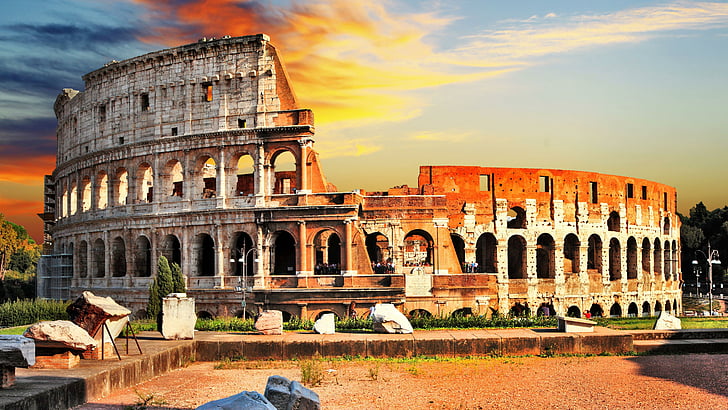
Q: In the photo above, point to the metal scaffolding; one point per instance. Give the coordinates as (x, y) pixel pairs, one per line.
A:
(54, 276)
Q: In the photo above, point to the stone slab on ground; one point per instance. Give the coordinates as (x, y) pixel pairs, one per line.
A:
(60, 334)
(575, 325)
(270, 322)
(386, 318)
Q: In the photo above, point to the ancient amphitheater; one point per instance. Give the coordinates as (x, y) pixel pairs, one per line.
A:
(200, 153)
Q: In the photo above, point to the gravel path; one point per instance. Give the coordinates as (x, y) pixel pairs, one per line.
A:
(693, 381)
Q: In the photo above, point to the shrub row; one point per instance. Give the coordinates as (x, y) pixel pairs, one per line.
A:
(23, 312)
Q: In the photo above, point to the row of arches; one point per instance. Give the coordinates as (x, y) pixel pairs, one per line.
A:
(516, 219)
(125, 186)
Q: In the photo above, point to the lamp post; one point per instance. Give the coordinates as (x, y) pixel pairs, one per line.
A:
(243, 281)
(696, 271)
(712, 258)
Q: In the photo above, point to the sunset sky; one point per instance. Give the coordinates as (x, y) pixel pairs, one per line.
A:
(636, 88)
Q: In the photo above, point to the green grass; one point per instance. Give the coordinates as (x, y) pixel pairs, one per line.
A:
(640, 323)
(17, 330)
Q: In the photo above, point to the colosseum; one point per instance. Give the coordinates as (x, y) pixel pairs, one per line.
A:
(201, 153)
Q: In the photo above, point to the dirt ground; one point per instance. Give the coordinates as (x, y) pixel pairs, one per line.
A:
(692, 381)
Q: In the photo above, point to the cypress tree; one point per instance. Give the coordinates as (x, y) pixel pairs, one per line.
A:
(162, 286)
(178, 279)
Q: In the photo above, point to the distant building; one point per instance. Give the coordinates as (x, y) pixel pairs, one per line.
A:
(201, 153)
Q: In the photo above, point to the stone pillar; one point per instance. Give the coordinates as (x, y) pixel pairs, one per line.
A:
(303, 257)
(260, 266)
(107, 258)
(221, 176)
(220, 256)
(260, 179)
(302, 166)
(348, 258)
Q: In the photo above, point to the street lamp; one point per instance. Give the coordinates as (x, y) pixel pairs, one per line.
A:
(712, 258)
(243, 281)
(696, 271)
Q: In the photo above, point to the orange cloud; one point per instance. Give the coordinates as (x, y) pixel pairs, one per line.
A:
(26, 170)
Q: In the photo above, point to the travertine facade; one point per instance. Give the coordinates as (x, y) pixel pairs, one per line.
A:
(200, 153)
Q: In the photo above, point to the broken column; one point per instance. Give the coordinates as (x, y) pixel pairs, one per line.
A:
(178, 317)
(270, 322)
(15, 351)
(59, 344)
(90, 312)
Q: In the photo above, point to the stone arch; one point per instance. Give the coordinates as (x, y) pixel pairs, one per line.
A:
(417, 313)
(327, 252)
(142, 257)
(245, 175)
(615, 260)
(172, 249)
(121, 186)
(85, 194)
(242, 255)
(283, 253)
(102, 190)
(486, 253)
(323, 312)
(658, 308)
(459, 245)
(98, 263)
(571, 253)
(174, 178)
(666, 225)
(545, 257)
(418, 248)
(573, 311)
(118, 257)
(631, 258)
(675, 306)
(596, 310)
(657, 258)
(517, 257)
(378, 248)
(613, 223)
(284, 165)
(646, 309)
(82, 253)
(63, 206)
(666, 261)
(203, 252)
(74, 198)
(668, 306)
(462, 312)
(516, 218)
(206, 182)
(646, 256)
(594, 253)
(633, 310)
(674, 260)
(205, 315)
(145, 183)
(615, 310)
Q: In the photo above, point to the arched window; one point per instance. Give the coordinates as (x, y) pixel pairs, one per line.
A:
(646, 308)
(615, 310)
(571, 253)
(102, 190)
(418, 248)
(594, 253)
(658, 308)
(284, 170)
(545, 257)
(145, 181)
(573, 311)
(283, 254)
(666, 261)
(64, 202)
(631, 258)
(596, 310)
(204, 252)
(516, 257)
(122, 186)
(74, 198)
(378, 249)
(486, 253)
(327, 246)
(666, 226)
(459, 244)
(208, 172)
(172, 249)
(99, 259)
(242, 255)
(613, 223)
(174, 175)
(516, 218)
(615, 260)
(85, 194)
(633, 310)
(118, 257)
(657, 258)
(83, 259)
(142, 257)
(245, 183)
(645, 257)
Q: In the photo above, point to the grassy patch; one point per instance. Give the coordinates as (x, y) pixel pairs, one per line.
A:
(17, 330)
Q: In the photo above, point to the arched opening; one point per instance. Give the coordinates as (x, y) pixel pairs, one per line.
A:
(208, 172)
(242, 256)
(64, 202)
(284, 254)
(516, 218)
(615, 264)
(320, 314)
(82, 259)
(145, 181)
(486, 253)
(613, 223)
(645, 257)
(379, 252)
(646, 308)
(571, 253)
(172, 249)
(459, 244)
(594, 254)
(674, 261)
(417, 313)
(657, 256)
(615, 310)
(74, 198)
(658, 308)
(675, 307)
(666, 226)
(516, 257)
(204, 315)
(596, 310)
(121, 183)
(175, 175)
(99, 259)
(418, 248)
(85, 194)
(462, 312)
(573, 311)
(633, 310)
(284, 170)
(102, 190)
(118, 257)
(327, 247)
(545, 257)
(204, 251)
(631, 258)
(142, 257)
(668, 307)
(287, 316)
(245, 182)
(666, 261)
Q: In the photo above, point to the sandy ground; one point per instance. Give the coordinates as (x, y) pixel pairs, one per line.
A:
(692, 381)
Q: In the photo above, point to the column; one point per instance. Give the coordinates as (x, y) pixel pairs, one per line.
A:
(219, 257)
(348, 261)
(302, 167)
(303, 258)
(260, 188)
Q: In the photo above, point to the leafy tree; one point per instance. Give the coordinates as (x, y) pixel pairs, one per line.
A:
(9, 243)
(162, 285)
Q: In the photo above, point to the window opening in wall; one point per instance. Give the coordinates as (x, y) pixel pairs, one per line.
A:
(241, 123)
(245, 176)
(630, 190)
(593, 192)
(485, 182)
(544, 183)
(87, 149)
(644, 192)
(207, 88)
(286, 186)
(121, 140)
(174, 131)
(102, 113)
(209, 179)
(516, 218)
(664, 201)
(145, 102)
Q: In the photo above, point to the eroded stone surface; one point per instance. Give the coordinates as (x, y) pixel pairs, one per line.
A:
(326, 324)
(270, 322)
(90, 312)
(285, 394)
(246, 400)
(666, 321)
(387, 319)
(178, 317)
(16, 351)
(60, 333)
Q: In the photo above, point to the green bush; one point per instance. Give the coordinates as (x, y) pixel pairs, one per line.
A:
(27, 312)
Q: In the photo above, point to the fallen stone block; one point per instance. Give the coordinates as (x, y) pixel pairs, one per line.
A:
(667, 321)
(387, 319)
(575, 325)
(90, 312)
(270, 322)
(60, 334)
(246, 400)
(285, 394)
(326, 325)
(178, 317)
(15, 351)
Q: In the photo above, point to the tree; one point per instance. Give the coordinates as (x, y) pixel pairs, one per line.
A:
(9, 243)
(162, 286)
(178, 279)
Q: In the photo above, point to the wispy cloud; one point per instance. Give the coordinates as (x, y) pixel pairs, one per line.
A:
(451, 136)
(349, 148)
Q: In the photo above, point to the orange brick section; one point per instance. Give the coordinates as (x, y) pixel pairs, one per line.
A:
(96, 353)
(65, 360)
